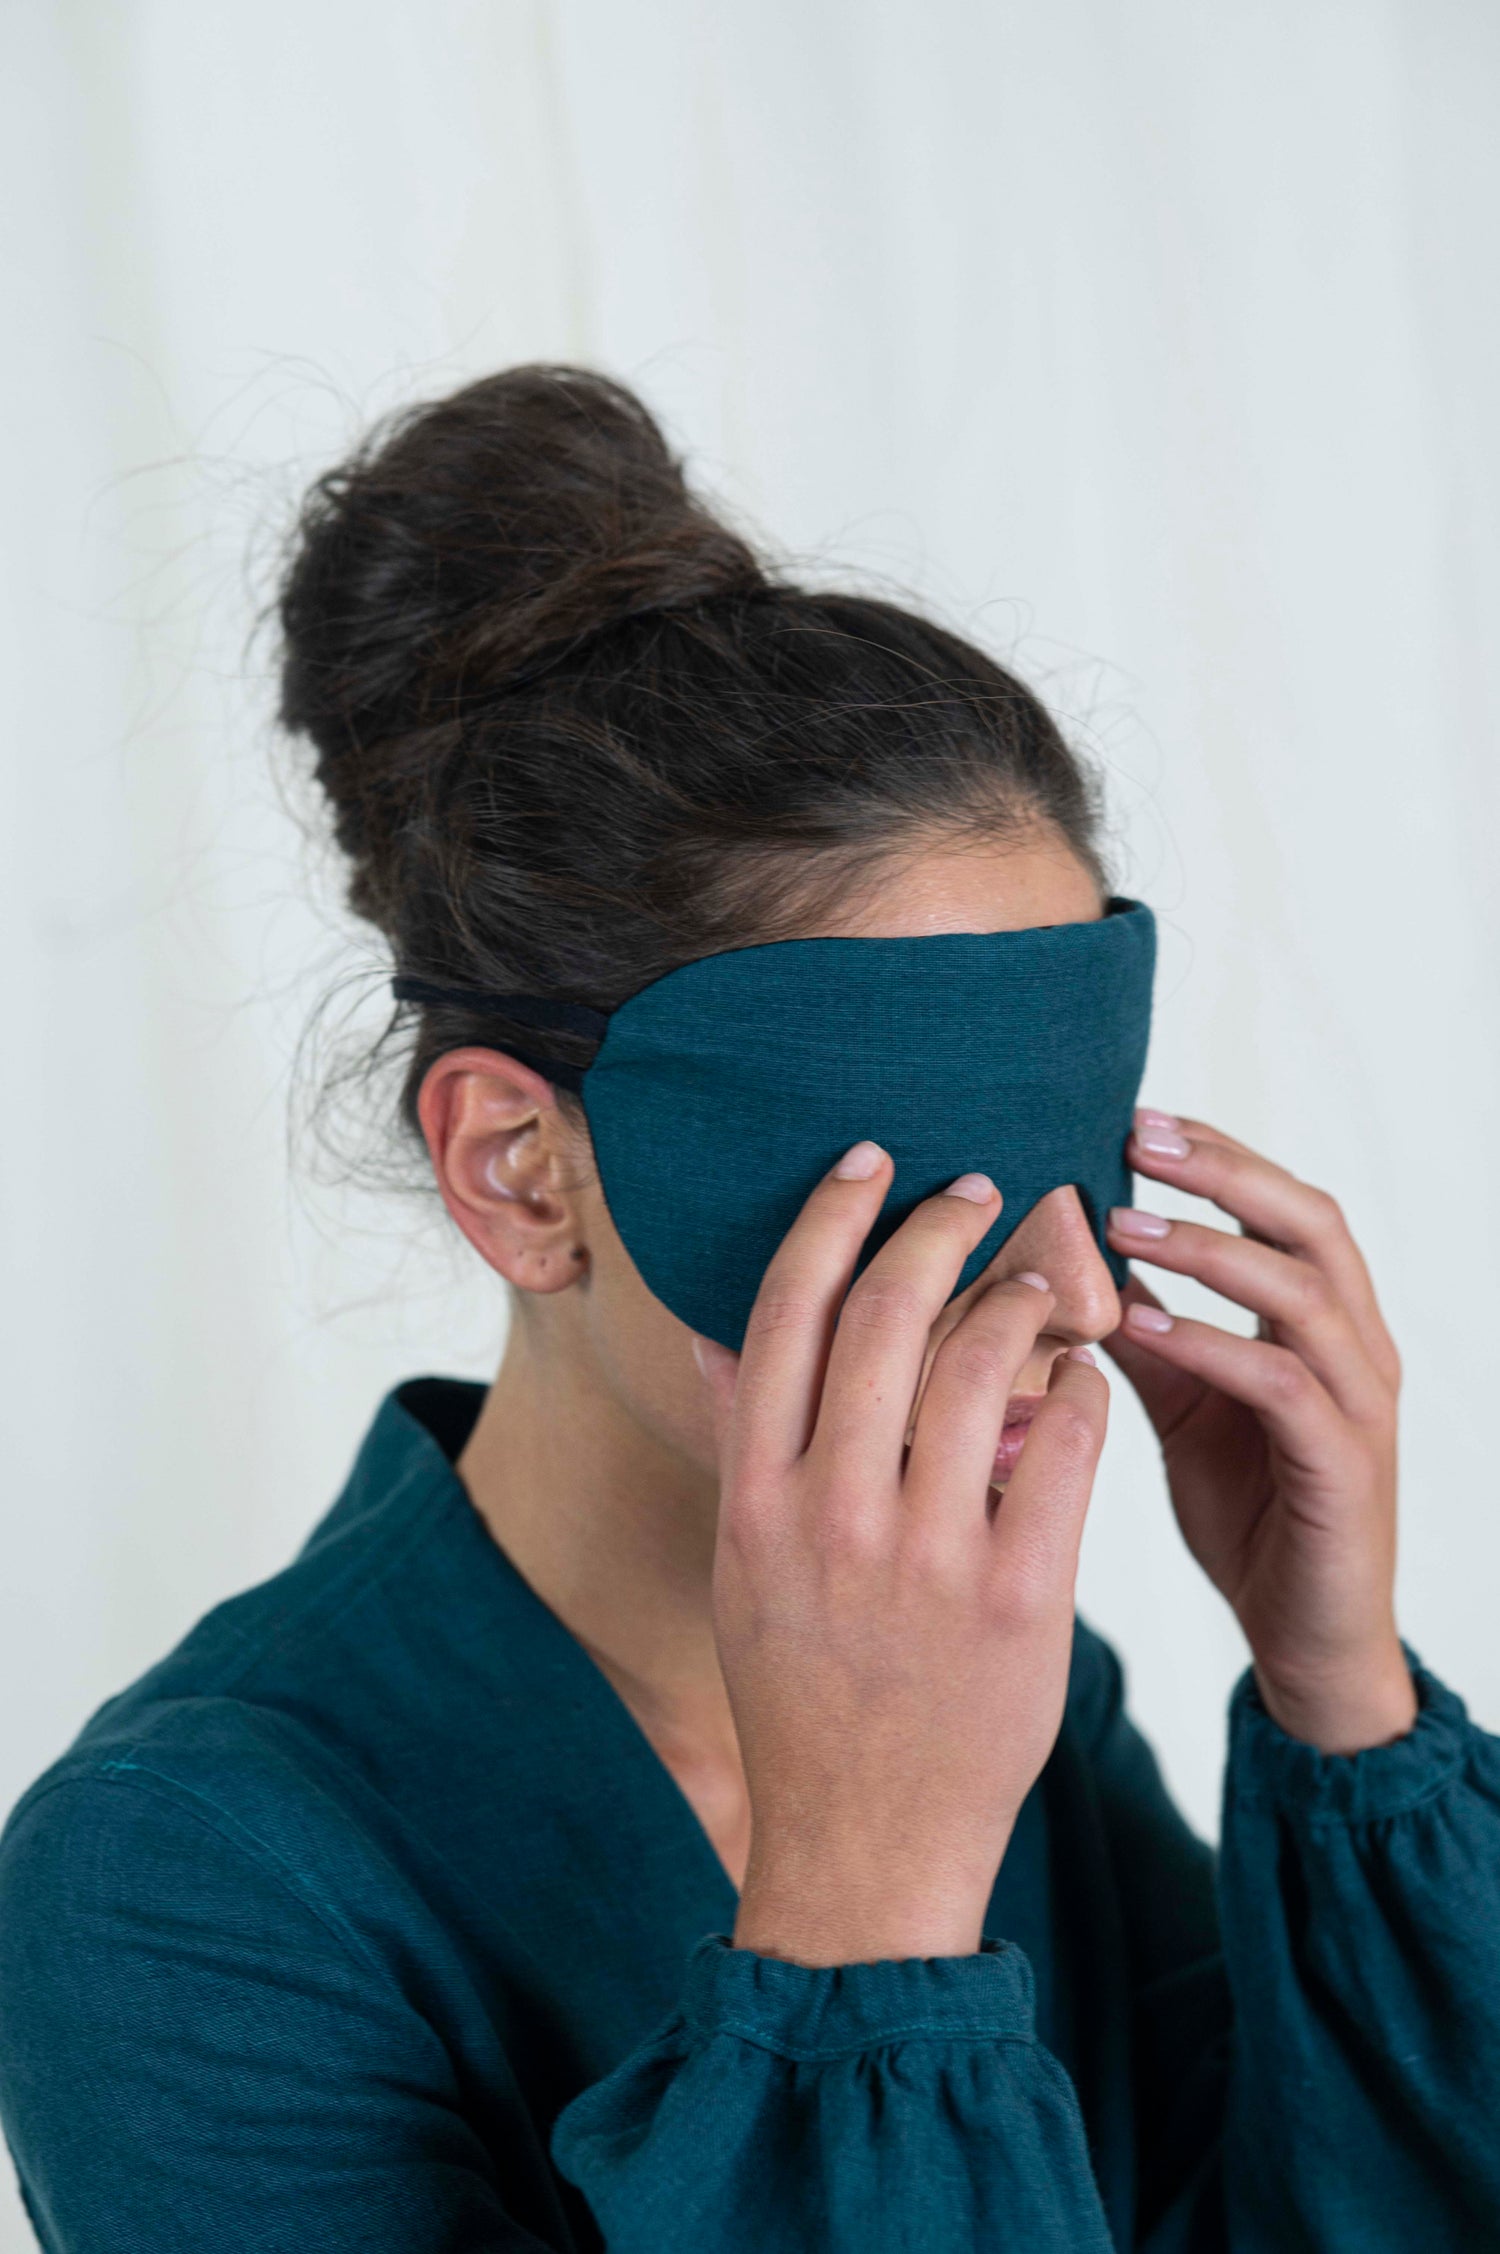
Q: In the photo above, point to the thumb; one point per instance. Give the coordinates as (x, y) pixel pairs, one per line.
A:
(720, 1371)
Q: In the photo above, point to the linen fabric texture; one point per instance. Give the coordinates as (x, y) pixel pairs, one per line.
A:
(370, 1921)
(723, 1091)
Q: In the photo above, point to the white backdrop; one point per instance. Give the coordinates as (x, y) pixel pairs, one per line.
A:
(1155, 344)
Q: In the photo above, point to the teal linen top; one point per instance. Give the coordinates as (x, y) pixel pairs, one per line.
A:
(370, 1919)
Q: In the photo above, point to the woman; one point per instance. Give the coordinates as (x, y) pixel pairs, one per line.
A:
(670, 1802)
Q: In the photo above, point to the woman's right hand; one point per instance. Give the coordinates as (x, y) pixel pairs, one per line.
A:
(895, 1636)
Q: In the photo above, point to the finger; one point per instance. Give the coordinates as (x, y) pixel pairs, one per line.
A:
(1298, 1413)
(1198, 1129)
(1272, 1203)
(880, 1343)
(786, 1342)
(1039, 1522)
(962, 1409)
(1281, 1288)
(1167, 1395)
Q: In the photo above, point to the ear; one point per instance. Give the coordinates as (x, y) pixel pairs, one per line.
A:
(504, 1155)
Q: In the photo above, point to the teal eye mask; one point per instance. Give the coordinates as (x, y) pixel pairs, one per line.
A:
(723, 1091)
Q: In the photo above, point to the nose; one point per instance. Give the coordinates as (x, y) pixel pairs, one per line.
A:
(1056, 1240)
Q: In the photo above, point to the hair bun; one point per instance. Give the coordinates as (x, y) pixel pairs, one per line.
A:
(471, 538)
(667, 791)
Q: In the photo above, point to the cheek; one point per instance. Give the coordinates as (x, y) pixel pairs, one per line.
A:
(644, 1353)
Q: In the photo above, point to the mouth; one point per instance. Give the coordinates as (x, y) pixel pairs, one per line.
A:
(1019, 1411)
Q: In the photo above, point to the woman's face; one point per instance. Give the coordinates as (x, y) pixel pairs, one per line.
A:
(644, 1354)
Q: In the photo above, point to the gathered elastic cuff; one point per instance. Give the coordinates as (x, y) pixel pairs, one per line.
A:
(1267, 1766)
(822, 2011)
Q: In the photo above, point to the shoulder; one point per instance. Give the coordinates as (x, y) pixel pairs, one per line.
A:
(203, 1807)
(172, 1902)
(254, 1727)
(203, 2007)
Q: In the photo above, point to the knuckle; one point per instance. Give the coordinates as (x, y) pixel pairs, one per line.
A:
(850, 1534)
(1074, 1430)
(752, 1492)
(1025, 1589)
(1327, 1213)
(1287, 1377)
(781, 1306)
(883, 1303)
(980, 1360)
(1217, 1167)
(1309, 1294)
(1384, 1422)
(930, 1553)
(749, 1523)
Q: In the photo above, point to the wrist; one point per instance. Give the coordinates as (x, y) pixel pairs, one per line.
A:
(822, 1913)
(825, 1934)
(1344, 1709)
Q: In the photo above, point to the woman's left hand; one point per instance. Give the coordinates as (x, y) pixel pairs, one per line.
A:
(1280, 1450)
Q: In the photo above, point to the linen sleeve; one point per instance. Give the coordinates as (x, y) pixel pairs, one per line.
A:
(1360, 1901)
(857, 2108)
(1316, 2009)
(910, 2104)
(194, 2056)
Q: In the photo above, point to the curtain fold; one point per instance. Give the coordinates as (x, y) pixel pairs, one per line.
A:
(1157, 347)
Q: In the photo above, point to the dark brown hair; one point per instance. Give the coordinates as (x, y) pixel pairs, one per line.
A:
(575, 732)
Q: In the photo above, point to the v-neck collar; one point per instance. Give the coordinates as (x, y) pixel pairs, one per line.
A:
(575, 1755)
(535, 1734)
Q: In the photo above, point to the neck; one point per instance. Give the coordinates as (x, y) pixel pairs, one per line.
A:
(613, 1529)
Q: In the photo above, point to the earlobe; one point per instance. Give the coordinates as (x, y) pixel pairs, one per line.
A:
(495, 1136)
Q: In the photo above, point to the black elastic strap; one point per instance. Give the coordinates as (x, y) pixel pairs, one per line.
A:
(544, 1012)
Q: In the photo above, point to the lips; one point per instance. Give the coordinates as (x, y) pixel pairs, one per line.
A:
(1019, 1411)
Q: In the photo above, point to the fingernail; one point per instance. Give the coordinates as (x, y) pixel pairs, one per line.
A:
(1030, 1276)
(1141, 1317)
(860, 1162)
(978, 1188)
(1161, 1142)
(1132, 1222)
(1079, 1354)
(697, 1345)
(1145, 1117)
